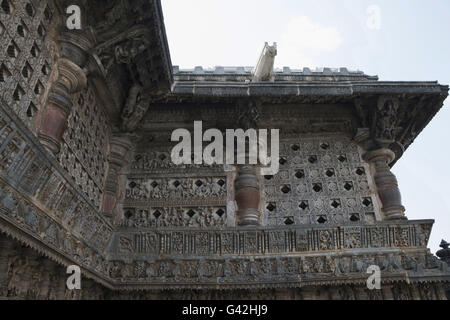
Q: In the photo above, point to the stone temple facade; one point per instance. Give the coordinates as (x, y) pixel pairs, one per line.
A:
(86, 176)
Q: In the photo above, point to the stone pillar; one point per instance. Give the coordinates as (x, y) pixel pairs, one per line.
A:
(247, 196)
(71, 79)
(119, 146)
(386, 183)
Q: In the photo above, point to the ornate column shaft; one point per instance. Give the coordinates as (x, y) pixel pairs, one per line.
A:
(247, 196)
(71, 79)
(386, 183)
(117, 160)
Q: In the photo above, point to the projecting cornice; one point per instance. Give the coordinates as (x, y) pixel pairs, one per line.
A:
(414, 103)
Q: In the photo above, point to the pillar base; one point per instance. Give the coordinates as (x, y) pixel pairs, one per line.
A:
(395, 213)
(249, 217)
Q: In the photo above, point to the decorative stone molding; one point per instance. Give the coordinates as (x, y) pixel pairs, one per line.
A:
(386, 183)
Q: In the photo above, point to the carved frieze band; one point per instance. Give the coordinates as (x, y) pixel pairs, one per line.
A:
(185, 242)
(293, 271)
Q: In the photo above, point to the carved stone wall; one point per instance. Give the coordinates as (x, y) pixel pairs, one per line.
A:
(26, 274)
(174, 226)
(27, 55)
(322, 180)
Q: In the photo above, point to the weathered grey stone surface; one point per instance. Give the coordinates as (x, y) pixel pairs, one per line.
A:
(86, 176)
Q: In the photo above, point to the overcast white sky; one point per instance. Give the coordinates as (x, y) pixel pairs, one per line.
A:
(397, 40)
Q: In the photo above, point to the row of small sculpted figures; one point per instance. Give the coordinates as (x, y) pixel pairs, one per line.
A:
(176, 217)
(176, 189)
(161, 160)
(272, 267)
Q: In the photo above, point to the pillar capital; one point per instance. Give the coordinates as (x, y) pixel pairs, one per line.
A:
(71, 75)
(76, 46)
(383, 154)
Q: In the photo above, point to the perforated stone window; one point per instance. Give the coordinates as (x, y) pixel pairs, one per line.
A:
(157, 214)
(154, 184)
(41, 31)
(7, 7)
(27, 51)
(86, 141)
(30, 9)
(199, 183)
(132, 185)
(300, 174)
(13, 50)
(271, 206)
(289, 221)
(335, 203)
(32, 110)
(367, 202)
(4, 73)
(191, 213)
(330, 173)
(35, 51)
(325, 146)
(286, 189)
(322, 219)
(129, 213)
(18, 93)
(22, 30)
(333, 188)
(312, 159)
(304, 205)
(176, 184)
(27, 71)
(348, 185)
(317, 187)
(220, 212)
